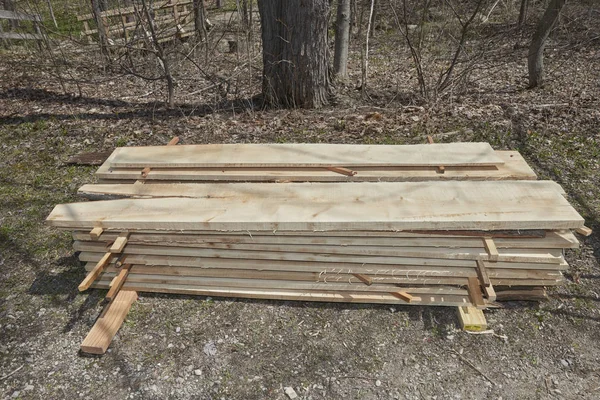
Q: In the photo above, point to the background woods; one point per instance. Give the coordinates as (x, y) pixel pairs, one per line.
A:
(191, 52)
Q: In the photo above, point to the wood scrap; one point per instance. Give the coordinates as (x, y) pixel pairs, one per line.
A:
(109, 322)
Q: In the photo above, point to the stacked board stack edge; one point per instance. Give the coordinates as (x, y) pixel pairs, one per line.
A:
(487, 232)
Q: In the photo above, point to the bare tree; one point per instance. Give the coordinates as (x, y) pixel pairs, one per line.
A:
(295, 53)
(342, 39)
(200, 19)
(535, 61)
(102, 31)
(522, 13)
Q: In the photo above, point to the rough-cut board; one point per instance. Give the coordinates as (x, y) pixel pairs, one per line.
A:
(514, 167)
(306, 261)
(553, 240)
(314, 275)
(337, 206)
(305, 155)
(331, 252)
(329, 296)
(107, 325)
(472, 319)
(241, 190)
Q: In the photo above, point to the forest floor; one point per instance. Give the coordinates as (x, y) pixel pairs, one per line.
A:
(195, 347)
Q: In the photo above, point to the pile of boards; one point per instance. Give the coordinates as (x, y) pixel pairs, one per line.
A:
(439, 224)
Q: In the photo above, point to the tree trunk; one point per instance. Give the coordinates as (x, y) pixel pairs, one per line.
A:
(535, 60)
(102, 34)
(295, 53)
(373, 18)
(522, 13)
(342, 39)
(200, 19)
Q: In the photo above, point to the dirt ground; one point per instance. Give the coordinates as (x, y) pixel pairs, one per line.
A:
(185, 347)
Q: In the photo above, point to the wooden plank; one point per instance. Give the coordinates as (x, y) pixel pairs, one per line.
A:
(409, 278)
(91, 158)
(365, 254)
(91, 277)
(118, 282)
(316, 206)
(119, 243)
(482, 273)
(299, 280)
(367, 280)
(504, 234)
(491, 249)
(341, 170)
(307, 155)
(106, 327)
(514, 167)
(130, 10)
(584, 230)
(95, 233)
(14, 15)
(490, 293)
(475, 292)
(405, 296)
(251, 283)
(21, 36)
(172, 142)
(349, 264)
(321, 296)
(472, 319)
(553, 240)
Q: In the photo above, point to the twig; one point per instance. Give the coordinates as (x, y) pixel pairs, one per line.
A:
(12, 373)
(489, 332)
(470, 364)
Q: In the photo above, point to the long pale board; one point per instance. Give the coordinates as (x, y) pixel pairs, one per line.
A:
(553, 240)
(514, 167)
(291, 251)
(305, 155)
(303, 261)
(231, 190)
(276, 294)
(293, 285)
(388, 285)
(337, 206)
(434, 277)
(314, 192)
(507, 234)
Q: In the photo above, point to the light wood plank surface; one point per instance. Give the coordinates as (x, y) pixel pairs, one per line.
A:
(304, 261)
(321, 251)
(337, 206)
(106, 327)
(328, 296)
(553, 240)
(308, 155)
(514, 167)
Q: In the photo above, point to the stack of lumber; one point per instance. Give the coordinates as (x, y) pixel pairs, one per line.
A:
(451, 228)
(440, 224)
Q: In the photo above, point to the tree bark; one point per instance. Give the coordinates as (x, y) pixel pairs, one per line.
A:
(342, 39)
(200, 19)
(102, 32)
(295, 53)
(522, 13)
(535, 57)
